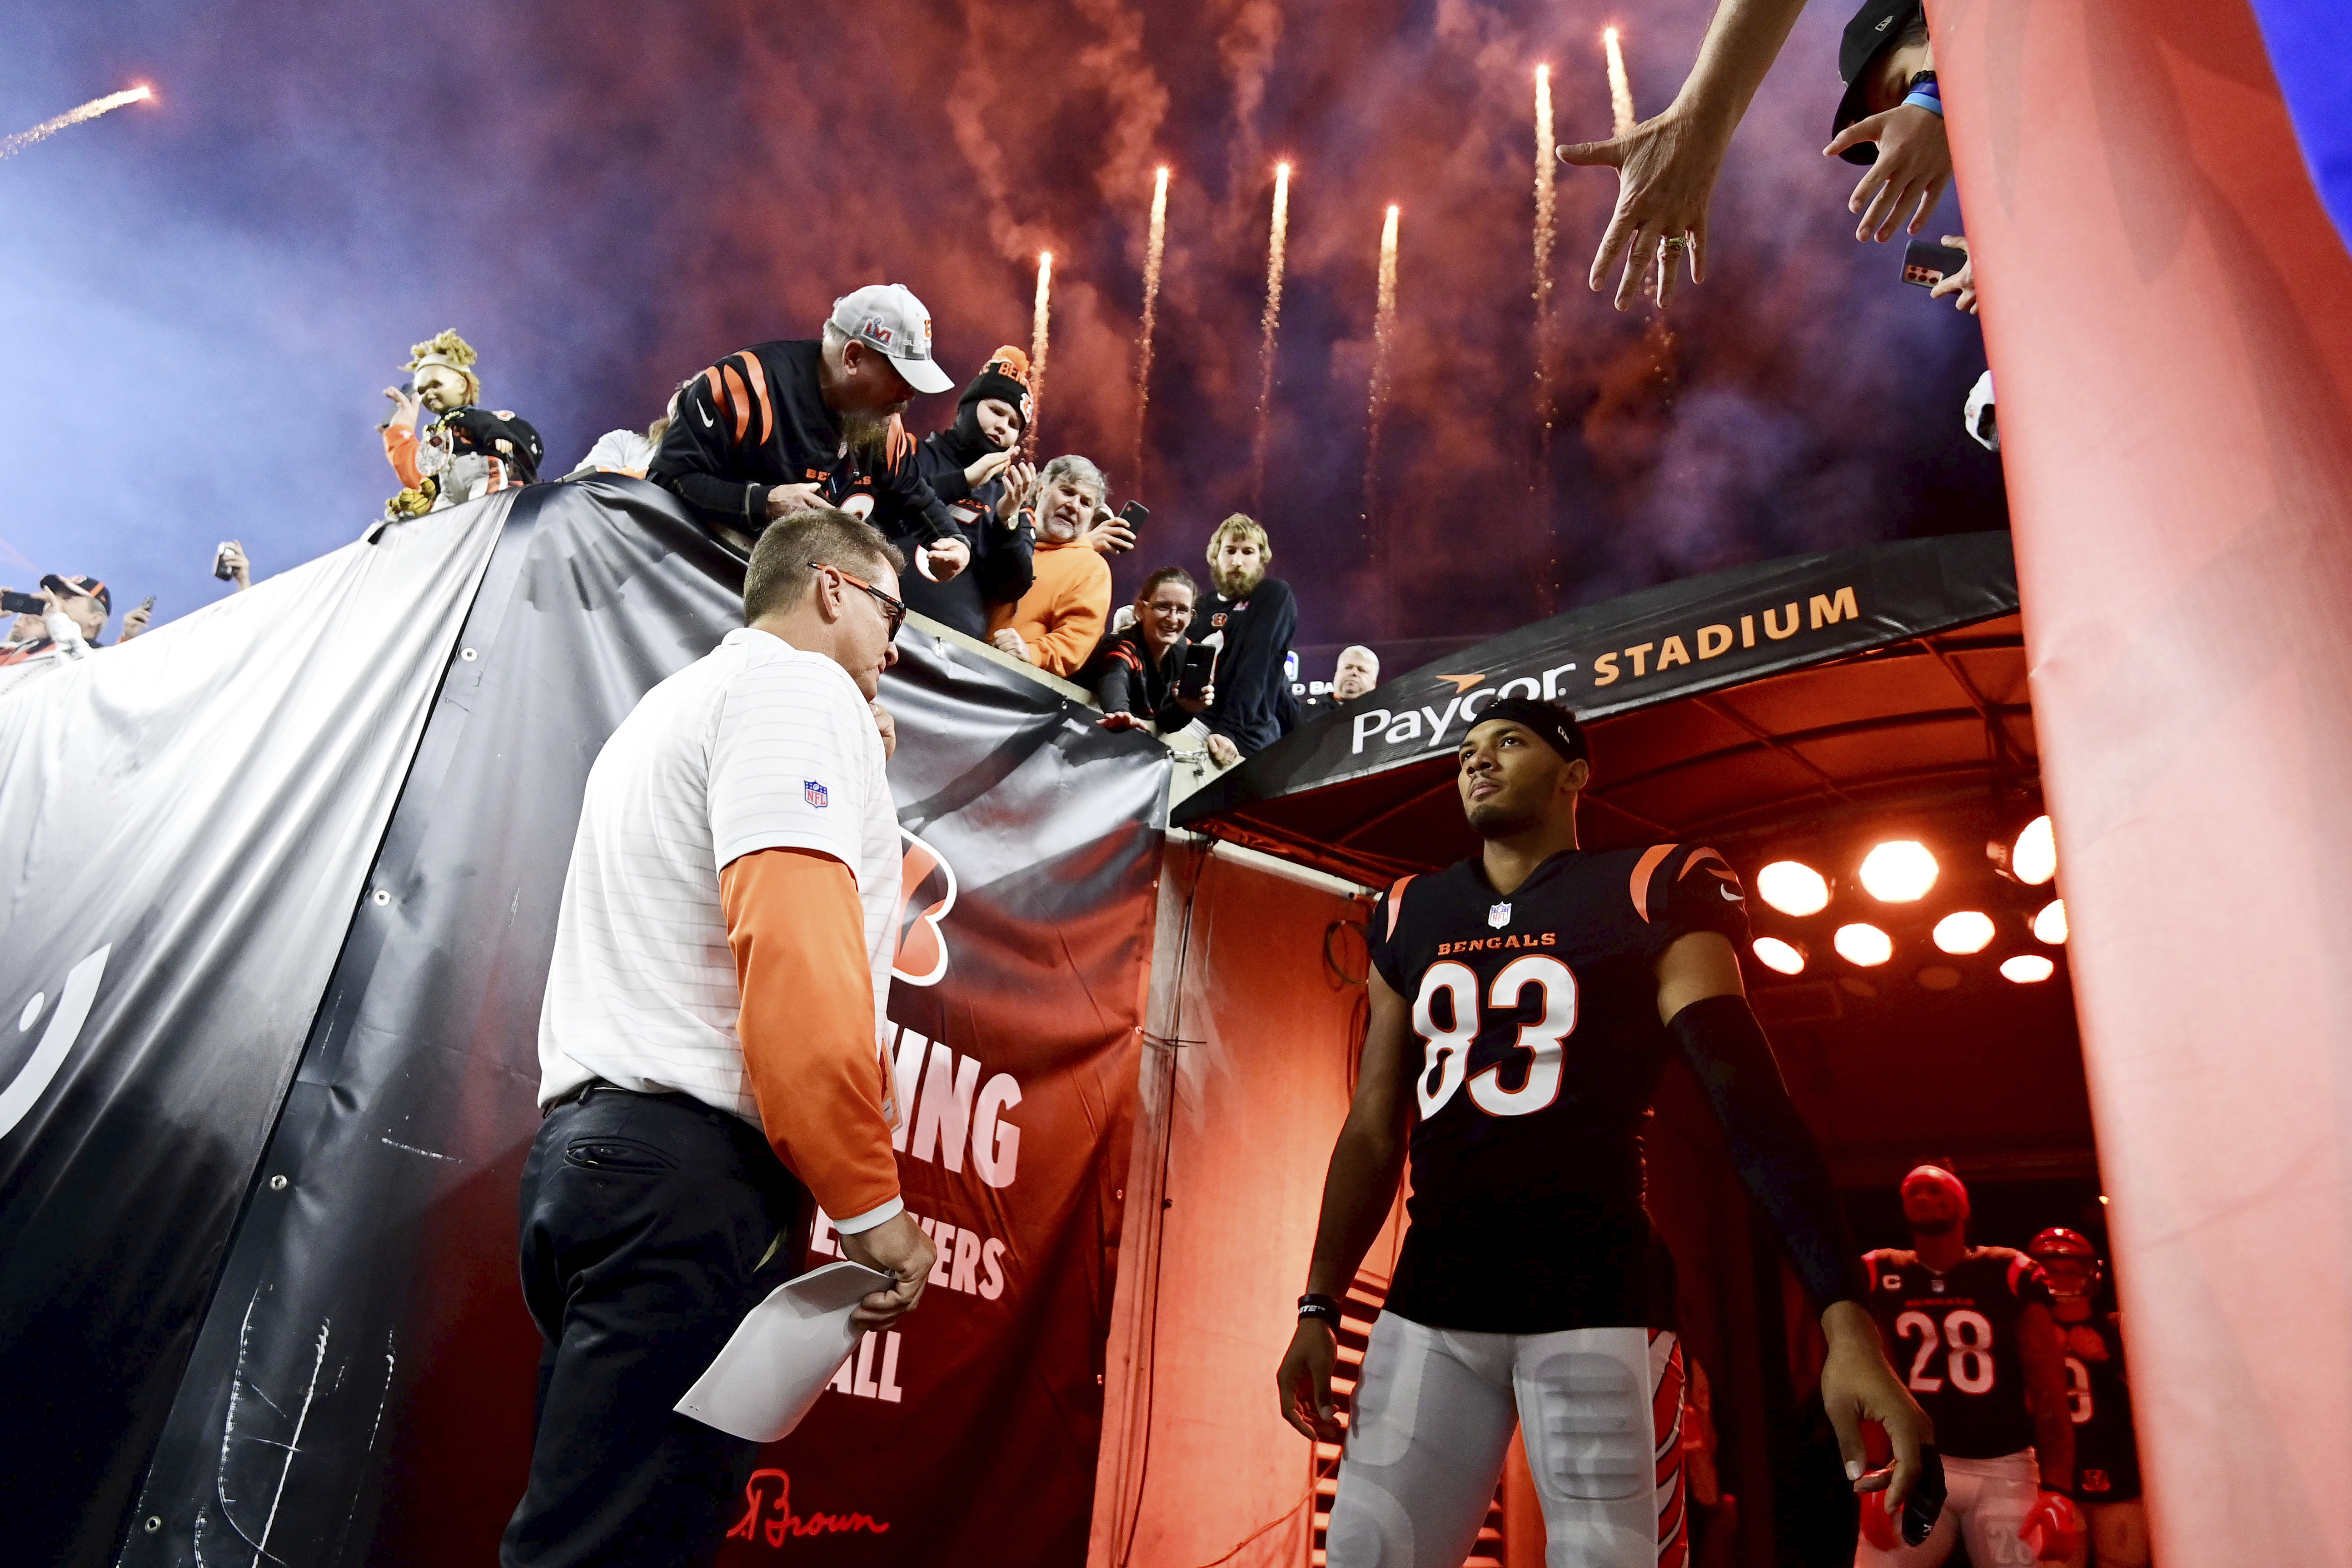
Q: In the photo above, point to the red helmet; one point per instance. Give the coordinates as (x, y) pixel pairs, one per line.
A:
(2059, 1243)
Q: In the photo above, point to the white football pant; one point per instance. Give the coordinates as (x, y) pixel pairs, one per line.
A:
(1433, 1413)
(1986, 1501)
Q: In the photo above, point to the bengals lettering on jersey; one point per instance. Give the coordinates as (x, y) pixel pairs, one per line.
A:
(1953, 1340)
(1537, 1050)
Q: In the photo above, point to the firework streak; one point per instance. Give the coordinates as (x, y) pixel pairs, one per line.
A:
(90, 111)
(1037, 348)
(1277, 241)
(1153, 249)
(1383, 337)
(1543, 244)
(1621, 93)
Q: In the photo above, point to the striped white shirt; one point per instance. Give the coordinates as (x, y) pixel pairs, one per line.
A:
(757, 746)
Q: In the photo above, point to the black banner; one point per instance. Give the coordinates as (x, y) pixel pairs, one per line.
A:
(1671, 641)
(361, 1388)
(187, 820)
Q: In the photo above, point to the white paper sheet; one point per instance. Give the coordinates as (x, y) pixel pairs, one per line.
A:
(782, 1353)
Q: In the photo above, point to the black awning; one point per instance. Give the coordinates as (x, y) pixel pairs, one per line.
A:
(1858, 689)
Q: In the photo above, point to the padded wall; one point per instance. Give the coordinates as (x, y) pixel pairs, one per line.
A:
(2168, 313)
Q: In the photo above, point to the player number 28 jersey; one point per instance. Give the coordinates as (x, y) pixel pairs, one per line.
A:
(1536, 1049)
(1953, 1340)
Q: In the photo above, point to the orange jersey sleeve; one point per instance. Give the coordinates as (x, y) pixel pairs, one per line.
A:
(400, 448)
(807, 1024)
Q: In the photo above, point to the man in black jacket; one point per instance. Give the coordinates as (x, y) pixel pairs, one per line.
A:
(971, 468)
(781, 428)
(1252, 617)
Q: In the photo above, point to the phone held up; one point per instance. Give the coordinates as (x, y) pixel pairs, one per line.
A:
(1199, 665)
(1928, 264)
(12, 603)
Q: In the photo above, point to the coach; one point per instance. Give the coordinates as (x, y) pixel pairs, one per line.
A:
(707, 1049)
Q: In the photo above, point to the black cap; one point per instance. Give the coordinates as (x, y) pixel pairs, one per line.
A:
(1552, 724)
(1878, 23)
(71, 587)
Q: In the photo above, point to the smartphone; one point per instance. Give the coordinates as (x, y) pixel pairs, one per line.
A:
(12, 603)
(148, 603)
(1928, 264)
(1135, 515)
(220, 560)
(1200, 665)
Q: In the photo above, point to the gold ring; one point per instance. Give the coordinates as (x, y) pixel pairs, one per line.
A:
(1675, 242)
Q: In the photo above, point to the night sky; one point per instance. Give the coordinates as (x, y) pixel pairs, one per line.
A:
(205, 295)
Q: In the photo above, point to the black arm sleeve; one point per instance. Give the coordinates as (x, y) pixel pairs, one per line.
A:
(1249, 678)
(1007, 565)
(926, 515)
(1111, 691)
(1771, 1147)
(695, 455)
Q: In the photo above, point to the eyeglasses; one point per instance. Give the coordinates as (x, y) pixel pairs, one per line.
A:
(893, 609)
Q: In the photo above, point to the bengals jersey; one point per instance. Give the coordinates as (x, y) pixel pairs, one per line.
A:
(1953, 1340)
(1537, 1051)
(2098, 1395)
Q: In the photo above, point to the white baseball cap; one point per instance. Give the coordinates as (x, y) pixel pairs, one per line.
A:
(888, 318)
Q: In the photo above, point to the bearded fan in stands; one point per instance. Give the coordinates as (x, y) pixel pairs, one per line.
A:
(788, 426)
(469, 451)
(1972, 1330)
(1523, 1005)
(1249, 618)
(2098, 1397)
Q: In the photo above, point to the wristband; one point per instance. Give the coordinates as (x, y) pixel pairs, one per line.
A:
(1322, 1308)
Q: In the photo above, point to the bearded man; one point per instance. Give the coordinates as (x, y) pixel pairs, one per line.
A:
(788, 426)
(1250, 618)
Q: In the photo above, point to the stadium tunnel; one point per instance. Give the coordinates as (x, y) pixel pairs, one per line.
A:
(1818, 706)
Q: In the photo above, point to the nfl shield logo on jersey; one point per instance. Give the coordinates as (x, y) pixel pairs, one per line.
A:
(1498, 916)
(813, 792)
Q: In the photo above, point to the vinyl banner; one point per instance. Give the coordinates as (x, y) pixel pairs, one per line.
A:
(1672, 641)
(362, 1389)
(185, 821)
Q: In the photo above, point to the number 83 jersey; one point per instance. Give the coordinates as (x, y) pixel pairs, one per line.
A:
(1537, 1050)
(1953, 1340)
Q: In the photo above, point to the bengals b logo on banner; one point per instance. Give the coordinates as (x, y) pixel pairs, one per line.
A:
(926, 891)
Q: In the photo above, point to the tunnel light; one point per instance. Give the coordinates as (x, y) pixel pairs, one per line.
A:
(1792, 887)
(1964, 931)
(1899, 871)
(2034, 858)
(2049, 922)
(2027, 969)
(1864, 945)
(1780, 957)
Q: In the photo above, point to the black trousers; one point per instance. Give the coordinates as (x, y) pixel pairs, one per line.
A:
(650, 1226)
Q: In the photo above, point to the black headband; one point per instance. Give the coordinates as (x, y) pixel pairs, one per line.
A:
(1552, 724)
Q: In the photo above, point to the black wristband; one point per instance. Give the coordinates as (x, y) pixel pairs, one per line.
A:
(1319, 1307)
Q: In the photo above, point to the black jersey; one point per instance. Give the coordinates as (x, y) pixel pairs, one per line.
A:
(1539, 1050)
(1953, 1340)
(2106, 1455)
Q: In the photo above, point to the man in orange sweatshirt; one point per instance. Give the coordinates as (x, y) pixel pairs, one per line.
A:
(709, 1048)
(1056, 624)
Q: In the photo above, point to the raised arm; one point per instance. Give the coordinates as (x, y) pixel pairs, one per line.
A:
(1666, 165)
(1359, 1190)
(1701, 1001)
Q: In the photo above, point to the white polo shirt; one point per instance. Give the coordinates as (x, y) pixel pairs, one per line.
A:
(756, 745)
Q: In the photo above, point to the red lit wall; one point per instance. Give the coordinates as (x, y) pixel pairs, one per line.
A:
(2169, 314)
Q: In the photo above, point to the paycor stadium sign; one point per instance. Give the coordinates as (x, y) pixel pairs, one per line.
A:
(1676, 640)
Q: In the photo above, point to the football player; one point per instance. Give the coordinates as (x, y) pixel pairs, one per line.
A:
(2106, 1457)
(1523, 1006)
(1972, 1330)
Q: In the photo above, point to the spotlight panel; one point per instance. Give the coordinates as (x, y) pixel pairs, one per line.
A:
(1899, 871)
(1863, 946)
(1964, 931)
(2034, 858)
(1780, 957)
(2027, 969)
(1792, 887)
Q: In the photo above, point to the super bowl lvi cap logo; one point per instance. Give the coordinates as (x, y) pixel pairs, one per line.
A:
(926, 891)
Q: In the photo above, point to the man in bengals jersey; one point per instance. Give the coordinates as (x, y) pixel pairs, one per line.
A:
(1523, 1006)
(1970, 1330)
(2106, 1455)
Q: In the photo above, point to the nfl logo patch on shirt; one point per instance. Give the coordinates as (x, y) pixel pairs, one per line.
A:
(813, 792)
(1498, 916)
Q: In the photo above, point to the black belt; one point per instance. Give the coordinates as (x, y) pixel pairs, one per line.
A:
(595, 1084)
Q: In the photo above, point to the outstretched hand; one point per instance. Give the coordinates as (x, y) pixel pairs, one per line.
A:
(1914, 164)
(1303, 1381)
(1665, 168)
